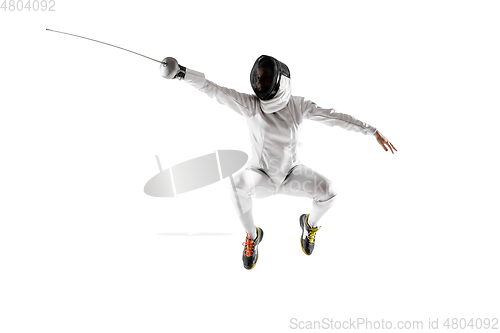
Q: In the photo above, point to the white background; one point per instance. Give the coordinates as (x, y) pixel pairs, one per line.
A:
(412, 235)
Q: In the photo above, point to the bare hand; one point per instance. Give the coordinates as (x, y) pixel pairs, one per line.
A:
(382, 140)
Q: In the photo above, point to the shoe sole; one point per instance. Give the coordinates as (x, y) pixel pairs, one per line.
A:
(254, 263)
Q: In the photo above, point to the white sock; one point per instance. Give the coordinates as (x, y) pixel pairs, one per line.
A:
(243, 206)
(247, 221)
(318, 210)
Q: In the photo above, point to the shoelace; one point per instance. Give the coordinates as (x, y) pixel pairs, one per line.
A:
(249, 243)
(312, 234)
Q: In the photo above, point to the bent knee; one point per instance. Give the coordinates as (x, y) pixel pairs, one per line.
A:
(328, 192)
(241, 187)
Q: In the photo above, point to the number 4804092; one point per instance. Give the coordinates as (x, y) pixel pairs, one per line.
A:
(35, 5)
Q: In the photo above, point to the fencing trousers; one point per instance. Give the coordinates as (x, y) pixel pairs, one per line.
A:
(300, 181)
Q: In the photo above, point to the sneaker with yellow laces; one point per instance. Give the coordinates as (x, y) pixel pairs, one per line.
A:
(308, 235)
(250, 251)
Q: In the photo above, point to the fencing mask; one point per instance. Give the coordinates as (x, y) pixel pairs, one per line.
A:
(270, 81)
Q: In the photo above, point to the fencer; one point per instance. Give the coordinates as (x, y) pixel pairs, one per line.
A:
(274, 118)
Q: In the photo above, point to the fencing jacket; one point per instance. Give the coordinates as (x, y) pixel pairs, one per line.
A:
(274, 136)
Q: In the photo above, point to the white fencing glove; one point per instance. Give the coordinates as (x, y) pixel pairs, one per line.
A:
(170, 69)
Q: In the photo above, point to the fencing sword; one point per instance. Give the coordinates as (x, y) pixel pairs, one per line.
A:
(161, 62)
(158, 186)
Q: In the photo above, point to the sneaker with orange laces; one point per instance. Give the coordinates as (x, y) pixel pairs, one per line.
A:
(250, 252)
(308, 235)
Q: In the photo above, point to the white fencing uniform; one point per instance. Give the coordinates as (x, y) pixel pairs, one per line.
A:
(274, 167)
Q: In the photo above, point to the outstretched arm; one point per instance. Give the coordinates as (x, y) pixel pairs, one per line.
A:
(243, 104)
(332, 118)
